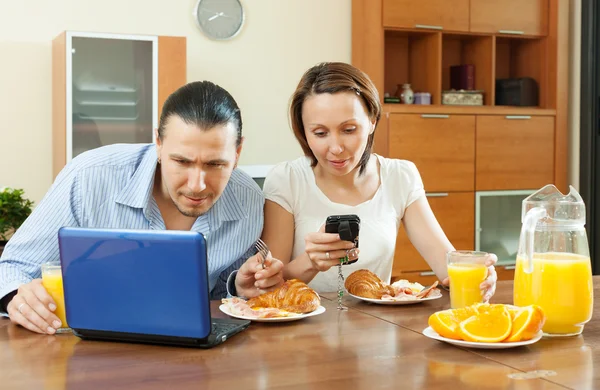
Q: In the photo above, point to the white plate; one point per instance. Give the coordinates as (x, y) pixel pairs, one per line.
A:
(429, 332)
(382, 302)
(319, 310)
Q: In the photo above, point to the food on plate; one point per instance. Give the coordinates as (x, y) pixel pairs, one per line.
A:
(366, 284)
(489, 323)
(293, 298)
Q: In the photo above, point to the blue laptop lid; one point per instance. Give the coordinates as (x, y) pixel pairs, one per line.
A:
(136, 281)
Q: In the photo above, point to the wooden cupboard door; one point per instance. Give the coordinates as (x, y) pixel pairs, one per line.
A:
(505, 272)
(514, 153)
(425, 278)
(528, 17)
(441, 146)
(456, 214)
(428, 14)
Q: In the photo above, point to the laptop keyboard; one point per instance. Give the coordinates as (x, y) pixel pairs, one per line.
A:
(220, 328)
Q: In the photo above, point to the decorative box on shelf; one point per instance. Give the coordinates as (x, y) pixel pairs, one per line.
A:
(462, 98)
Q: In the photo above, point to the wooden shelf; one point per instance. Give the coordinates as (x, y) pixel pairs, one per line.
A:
(474, 110)
(413, 57)
(507, 147)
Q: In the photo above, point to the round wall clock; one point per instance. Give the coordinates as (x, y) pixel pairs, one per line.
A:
(219, 19)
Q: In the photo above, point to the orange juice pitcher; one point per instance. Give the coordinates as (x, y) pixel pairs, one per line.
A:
(553, 268)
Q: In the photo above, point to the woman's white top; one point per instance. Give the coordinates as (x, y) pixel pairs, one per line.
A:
(292, 185)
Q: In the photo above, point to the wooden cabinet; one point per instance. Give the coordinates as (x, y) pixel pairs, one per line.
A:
(437, 14)
(441, 146)
(110, 88)
(528, 17)
(514, 152)
(456, 214)
(505, 272)
(425, 278)
(467, 149)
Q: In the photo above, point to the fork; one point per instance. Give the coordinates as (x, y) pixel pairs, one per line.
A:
(263, 251)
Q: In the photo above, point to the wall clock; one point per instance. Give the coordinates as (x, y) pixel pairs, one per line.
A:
(219, 19)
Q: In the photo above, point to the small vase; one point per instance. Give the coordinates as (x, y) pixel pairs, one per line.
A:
(407, 96)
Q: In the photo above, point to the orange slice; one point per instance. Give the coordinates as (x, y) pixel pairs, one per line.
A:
(490, 326)
(526, 323)
(446, 322)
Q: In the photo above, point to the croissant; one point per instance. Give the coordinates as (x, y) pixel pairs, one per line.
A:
(293, 296)
(366, 284)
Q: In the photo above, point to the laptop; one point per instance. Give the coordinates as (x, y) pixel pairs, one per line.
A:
(144, 286)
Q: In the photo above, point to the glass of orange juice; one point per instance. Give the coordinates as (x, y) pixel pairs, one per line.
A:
(466, 270)
(53, 283)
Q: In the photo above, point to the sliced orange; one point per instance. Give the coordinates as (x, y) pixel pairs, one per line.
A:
(491, 326)
(526, 323)
(446, 322)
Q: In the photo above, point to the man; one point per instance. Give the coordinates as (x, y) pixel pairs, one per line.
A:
(186, 181)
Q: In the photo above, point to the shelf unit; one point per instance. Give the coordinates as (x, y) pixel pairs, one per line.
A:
(109, 88)
(461, 150)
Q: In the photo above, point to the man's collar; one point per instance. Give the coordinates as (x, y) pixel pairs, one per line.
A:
(229, 206)
(139, 189)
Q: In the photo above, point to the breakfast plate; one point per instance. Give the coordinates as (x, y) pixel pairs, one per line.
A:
(432, 334)
(396, 302)
(225, 309)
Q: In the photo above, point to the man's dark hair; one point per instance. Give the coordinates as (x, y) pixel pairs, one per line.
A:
(203, 104)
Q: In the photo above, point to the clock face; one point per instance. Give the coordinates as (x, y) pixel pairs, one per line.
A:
(220, 19)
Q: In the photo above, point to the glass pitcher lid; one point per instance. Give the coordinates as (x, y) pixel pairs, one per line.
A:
(560, 209)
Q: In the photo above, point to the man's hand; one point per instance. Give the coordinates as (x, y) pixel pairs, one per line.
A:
(33, 308)
(252, 280)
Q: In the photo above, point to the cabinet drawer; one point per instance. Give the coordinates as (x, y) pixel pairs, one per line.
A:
(505, 272)
(425, 278)
(438, 14)
(514, 152)
(456, 214)
(529, 17)
(441, 146)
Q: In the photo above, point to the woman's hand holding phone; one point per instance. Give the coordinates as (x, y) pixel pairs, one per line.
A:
(325, 250)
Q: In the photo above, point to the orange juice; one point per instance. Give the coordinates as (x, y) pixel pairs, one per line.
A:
(561, 283)
(465, 279)
(53, 283)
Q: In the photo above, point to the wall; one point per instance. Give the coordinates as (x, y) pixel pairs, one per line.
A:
(260, 68)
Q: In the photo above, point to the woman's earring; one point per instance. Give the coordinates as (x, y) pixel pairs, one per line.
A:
(158, 160)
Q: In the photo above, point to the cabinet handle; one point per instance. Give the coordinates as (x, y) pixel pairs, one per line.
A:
(427, 273)
(509, 267)
(435, 116)
(512, 32)
(436, 194)
(518, 117)
(430, 27)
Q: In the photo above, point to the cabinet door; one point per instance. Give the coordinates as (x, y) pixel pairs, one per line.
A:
(514, 152)
(505, 272)
(438, 14)
(456, 214)
(441, 146)
(528, 17)
(112, 92)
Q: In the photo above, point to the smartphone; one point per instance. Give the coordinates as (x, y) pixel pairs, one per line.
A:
(347, 226)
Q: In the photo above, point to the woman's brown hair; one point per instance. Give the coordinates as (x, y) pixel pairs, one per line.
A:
(334, 77)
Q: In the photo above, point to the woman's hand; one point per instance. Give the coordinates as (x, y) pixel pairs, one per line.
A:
(488, 286)
(326, 249)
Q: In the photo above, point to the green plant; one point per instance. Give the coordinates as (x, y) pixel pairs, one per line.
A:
(14, 210)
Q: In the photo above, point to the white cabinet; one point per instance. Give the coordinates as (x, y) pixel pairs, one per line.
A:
(109, 88)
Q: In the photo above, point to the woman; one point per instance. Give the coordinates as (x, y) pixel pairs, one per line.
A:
(334, 114)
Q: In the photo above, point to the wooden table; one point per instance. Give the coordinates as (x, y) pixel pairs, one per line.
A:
(368, 347)
(572, 358)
